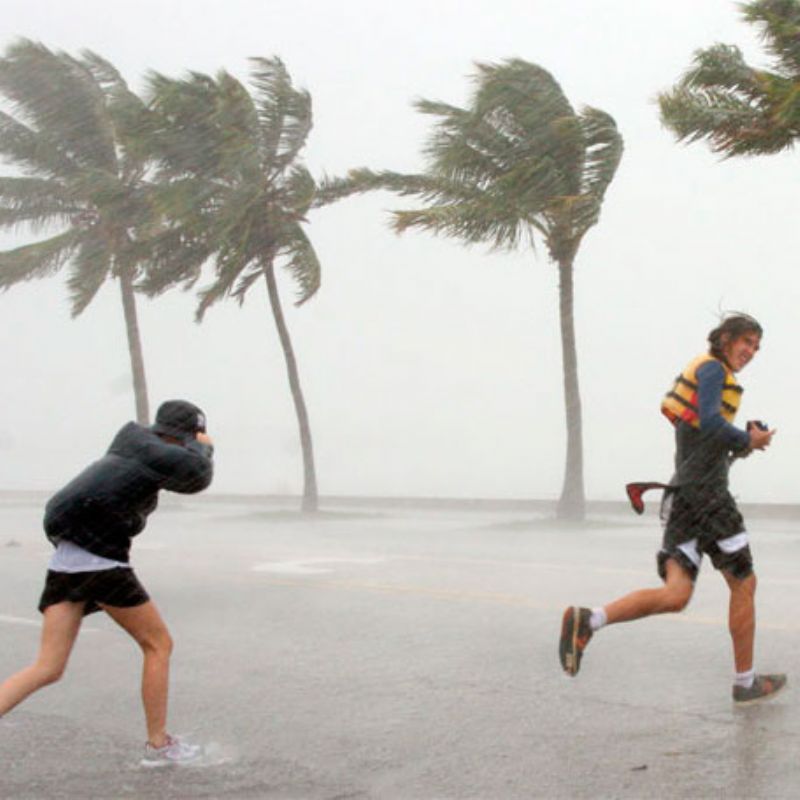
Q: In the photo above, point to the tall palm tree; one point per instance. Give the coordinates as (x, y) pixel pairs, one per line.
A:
(234, 191)
(78, 178)
(517, 164)
(739, 109)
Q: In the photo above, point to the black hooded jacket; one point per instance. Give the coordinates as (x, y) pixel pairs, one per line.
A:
(108, 503)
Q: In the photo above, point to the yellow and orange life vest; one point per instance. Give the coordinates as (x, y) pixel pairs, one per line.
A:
(680, 402)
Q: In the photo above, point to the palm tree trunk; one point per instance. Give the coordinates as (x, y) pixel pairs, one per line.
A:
(310, 496)
(135, 348)
(572, 503)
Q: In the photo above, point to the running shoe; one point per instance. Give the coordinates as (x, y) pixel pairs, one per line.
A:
(763, 688)
(173, 751)
(575, 635)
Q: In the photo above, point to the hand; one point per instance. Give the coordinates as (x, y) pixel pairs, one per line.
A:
(760, 439)
(203, 438)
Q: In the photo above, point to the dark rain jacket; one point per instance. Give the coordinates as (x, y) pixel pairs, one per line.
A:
(108, 503)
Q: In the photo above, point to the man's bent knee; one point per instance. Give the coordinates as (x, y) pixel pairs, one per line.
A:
(677, 598)
(679, 586)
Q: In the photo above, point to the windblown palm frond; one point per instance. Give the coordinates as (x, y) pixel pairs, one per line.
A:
(517, 163)
(233, 192)
(70, 136)
(38, 260)
(90, 269)
(736, 108)
(50, 92)
(283, 111)
(780, 23)
(229, 162)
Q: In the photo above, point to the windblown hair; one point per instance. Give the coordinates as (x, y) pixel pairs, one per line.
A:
(732, 327)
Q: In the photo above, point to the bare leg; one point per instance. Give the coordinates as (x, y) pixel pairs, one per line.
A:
(60, 627)
(742, 619)
(145, 625)
(673, 595)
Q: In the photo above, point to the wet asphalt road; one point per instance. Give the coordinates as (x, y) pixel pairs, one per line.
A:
(403, 654)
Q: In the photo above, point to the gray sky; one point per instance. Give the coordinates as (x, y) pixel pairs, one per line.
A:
(430, 369)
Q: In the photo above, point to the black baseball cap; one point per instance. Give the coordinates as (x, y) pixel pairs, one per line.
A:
(179, 418)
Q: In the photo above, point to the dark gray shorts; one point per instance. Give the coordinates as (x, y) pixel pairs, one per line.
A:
(706, 513)
(737, 563)
(700, 523)
(112, 587)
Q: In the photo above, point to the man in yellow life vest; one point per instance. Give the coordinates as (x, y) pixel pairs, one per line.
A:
(700, 515)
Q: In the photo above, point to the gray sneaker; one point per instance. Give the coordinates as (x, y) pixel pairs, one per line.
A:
(173, 751)
(763, 688)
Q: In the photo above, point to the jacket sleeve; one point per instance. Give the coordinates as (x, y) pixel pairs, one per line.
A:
(185, 468)
(710, 380)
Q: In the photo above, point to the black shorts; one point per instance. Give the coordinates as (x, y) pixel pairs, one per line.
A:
(117, 587)
(700, 523)
(738, 563)
(705, 513)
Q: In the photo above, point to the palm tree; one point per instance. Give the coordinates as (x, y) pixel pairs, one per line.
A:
(739, 109)
(517, 164)
(78, 178)
(234, 191)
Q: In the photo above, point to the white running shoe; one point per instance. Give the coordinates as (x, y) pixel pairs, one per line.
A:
(173, 751)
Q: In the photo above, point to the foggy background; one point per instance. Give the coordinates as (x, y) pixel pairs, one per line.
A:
(429, 369)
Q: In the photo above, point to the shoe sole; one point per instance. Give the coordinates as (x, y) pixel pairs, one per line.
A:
(568, 646)
(753, 701)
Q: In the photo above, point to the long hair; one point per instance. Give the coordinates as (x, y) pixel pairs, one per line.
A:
(732, 327)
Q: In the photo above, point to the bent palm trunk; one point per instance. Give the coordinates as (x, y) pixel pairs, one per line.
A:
(310, 496)
(135, 348)
(572, 503)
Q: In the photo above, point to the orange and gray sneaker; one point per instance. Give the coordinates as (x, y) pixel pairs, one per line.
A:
(575, 635)
(763, 688)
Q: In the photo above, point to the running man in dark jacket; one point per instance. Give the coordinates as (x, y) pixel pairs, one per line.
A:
(91, 522)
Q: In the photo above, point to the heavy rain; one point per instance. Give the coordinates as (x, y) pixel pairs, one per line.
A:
(425, 273)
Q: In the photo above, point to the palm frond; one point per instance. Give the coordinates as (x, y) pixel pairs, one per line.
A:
(185, 139)
(779, 21)
(227, 275)
(524, 103)
(298, 191)
(284, 112)
(56, 96)
(722, 66)
(37, 260)
(604, 147)
(89, 268)
(35, 204)
(251, 275)
(31, 151)
(730, 124)
(302, 262)
(483, 218)
(129, 115)
(237, 121)
(736, 109)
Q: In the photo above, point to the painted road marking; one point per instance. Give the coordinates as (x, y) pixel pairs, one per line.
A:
(36, 623)
(20, 620)
(310, 566)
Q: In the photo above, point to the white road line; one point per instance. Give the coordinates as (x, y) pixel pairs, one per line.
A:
(310, 566)
(36, 623)
(20, 620)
